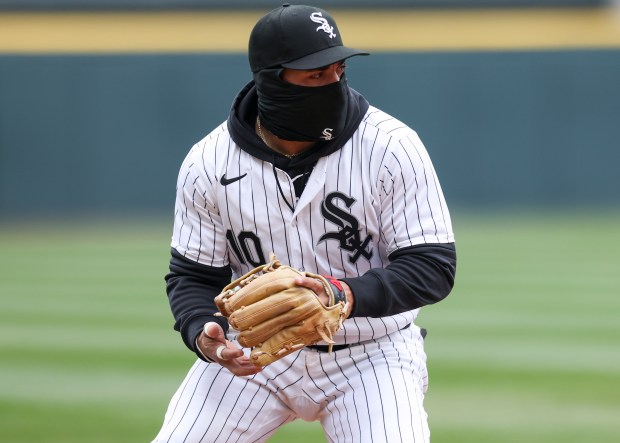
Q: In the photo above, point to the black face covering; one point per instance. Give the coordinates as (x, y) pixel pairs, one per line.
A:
(301, 113)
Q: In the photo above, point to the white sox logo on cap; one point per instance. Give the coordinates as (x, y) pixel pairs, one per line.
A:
(317, 17)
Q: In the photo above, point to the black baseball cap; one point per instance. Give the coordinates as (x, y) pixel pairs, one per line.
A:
(297, 37)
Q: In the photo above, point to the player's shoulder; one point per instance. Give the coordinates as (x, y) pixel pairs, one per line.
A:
(385, 130)
(207, 146)
(203, 154)
(212, 139)
(387, 124)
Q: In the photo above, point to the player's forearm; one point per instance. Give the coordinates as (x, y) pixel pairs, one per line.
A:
(416, 277)
(191, 288)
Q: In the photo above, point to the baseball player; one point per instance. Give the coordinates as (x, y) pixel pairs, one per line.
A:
(306, 169)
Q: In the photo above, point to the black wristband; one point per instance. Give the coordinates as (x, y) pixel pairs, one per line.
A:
(337, 289)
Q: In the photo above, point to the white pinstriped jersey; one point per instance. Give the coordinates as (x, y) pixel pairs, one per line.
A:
(376, 194)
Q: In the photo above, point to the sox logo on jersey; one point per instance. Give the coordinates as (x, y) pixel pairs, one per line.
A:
(348, 237)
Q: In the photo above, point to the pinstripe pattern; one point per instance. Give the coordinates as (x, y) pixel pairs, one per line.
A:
(372, 392)
(376, 194)
(384, 168)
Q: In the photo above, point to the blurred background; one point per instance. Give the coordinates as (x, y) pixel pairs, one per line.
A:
(517, 102)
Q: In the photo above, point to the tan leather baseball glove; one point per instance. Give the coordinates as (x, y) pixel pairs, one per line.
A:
(274, 316)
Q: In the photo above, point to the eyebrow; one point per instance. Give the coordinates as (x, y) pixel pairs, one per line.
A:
(323, 68)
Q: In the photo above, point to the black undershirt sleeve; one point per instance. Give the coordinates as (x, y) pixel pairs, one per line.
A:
(191, 288)
(416, 276)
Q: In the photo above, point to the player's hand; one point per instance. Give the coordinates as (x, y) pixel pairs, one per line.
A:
(230, 356)
(318, 288)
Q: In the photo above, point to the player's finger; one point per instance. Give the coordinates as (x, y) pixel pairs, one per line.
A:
(310, 283)
(214, 332)
(241, 366)
(245, 371)
(226, 352)
(218, 352)
(314, 285)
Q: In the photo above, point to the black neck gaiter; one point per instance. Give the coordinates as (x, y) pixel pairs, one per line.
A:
(301, 113)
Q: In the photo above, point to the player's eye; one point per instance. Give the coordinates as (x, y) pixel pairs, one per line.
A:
(320, 72)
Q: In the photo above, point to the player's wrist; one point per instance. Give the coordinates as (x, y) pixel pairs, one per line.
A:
(337, 289)
(350, 298)
(342, 293)
(199, 351)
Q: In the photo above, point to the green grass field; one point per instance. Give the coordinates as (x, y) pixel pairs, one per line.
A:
(526, 348)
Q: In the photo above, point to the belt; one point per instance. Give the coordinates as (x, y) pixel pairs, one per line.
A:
(323, 348)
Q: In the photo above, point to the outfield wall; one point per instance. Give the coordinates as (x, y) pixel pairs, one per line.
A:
(106, 132)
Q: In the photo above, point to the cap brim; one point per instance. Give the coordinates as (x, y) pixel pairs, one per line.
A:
(323, 58)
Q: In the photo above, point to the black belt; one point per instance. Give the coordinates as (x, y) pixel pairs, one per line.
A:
(323, 348)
